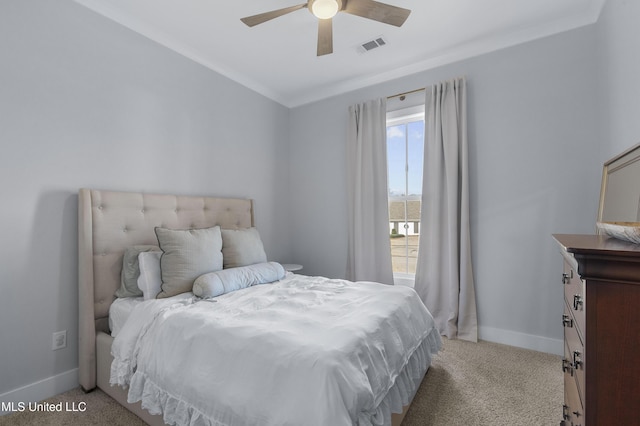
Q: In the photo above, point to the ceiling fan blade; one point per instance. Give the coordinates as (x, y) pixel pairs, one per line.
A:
(325, 36)
(377, 11)
(267, 16)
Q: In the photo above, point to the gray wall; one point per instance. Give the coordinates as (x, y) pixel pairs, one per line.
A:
(535, 171)
(85, 102)
(619, 75)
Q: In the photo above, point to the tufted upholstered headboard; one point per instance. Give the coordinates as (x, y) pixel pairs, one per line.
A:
(108, 223)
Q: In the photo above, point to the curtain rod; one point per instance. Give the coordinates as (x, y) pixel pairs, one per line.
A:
(399, 95)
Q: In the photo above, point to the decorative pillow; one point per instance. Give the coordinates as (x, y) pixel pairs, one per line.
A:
(216, 283)
(242, 247)
(131, 271)
(149, 281)
(187, 254)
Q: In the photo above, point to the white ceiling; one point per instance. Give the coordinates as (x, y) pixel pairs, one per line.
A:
(278, 58)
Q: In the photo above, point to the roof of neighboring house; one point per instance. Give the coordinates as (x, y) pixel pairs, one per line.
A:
(396, 211)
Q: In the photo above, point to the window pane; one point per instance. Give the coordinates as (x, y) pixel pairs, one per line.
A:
(415, 153)
(398, 237)
(404, 235)
(396, 159)
(405, 156)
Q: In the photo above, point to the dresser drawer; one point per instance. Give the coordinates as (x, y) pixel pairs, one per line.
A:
(574, 355)
(574, 295)
(572, 410)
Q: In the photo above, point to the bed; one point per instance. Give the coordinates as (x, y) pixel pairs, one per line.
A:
(110, 222)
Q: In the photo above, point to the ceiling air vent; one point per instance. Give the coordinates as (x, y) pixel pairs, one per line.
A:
(372, 44)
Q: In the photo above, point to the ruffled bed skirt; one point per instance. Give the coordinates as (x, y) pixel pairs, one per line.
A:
(406, 384)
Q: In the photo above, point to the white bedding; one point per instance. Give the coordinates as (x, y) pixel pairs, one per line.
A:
(304, 350)
(119, 312)
(122, 307)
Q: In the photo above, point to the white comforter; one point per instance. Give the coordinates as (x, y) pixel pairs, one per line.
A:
(301, 351)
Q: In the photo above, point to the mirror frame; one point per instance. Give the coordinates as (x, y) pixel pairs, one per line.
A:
(625, 159)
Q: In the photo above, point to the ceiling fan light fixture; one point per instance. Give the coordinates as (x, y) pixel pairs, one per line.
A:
(325, 9)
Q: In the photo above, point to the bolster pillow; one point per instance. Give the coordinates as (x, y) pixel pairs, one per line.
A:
(220, 282)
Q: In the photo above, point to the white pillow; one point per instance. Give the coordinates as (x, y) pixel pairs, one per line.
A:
(220, 282)
(150, 279)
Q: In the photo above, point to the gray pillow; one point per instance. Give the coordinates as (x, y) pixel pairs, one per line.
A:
(187, 254)
(242, 247)
(131, 271)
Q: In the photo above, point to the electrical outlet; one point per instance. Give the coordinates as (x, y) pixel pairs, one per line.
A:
(59, 340)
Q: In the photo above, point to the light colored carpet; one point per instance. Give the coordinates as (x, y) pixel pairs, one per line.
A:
(488, 384)
(483, 384)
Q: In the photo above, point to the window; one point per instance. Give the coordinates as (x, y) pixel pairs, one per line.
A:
(405, 154)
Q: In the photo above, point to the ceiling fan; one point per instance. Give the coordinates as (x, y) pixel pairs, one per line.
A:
(325, 10)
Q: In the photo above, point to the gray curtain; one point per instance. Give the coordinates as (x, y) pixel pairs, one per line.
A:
(444, 274)
(369, 252)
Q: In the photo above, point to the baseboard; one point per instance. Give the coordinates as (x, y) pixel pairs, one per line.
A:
(40, 390)
(522, 340)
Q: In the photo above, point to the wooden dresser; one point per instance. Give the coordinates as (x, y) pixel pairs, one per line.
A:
(601, 320)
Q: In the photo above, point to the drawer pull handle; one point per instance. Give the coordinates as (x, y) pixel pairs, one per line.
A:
(577, 361)
(577, 302)
(567, 366)
(566, 417)
(565, 413)
(566, 278)
(567, 321)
